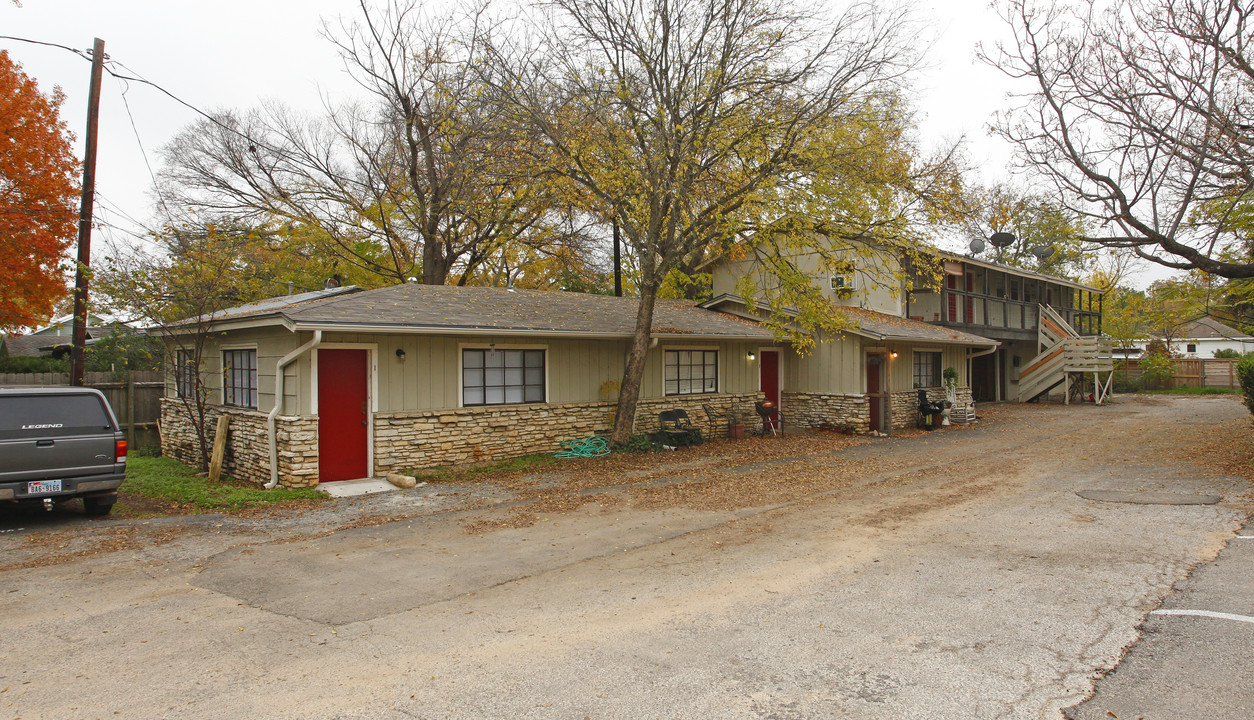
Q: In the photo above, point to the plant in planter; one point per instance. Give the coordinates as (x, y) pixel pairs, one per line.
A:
(950, 376)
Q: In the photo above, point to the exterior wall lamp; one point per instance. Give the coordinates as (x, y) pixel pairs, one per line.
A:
(400, 354)
(893, 354)
(752, 356)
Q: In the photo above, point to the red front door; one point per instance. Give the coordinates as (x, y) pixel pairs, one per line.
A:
(875, 389)
(769, 378)
(343, 415)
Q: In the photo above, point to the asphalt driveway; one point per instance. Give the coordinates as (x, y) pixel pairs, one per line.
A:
(956, 575)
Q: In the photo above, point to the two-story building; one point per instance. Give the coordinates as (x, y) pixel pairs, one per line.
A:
(345, 383)
(1003, 303)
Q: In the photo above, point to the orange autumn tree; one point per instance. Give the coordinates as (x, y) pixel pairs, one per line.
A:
(38, 198)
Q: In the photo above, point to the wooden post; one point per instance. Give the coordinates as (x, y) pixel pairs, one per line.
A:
(219, 448)
(78, 330)
(130, 410)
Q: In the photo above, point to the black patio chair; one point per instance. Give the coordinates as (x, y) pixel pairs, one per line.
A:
(771, 420)
(676, 429)
(929, 412)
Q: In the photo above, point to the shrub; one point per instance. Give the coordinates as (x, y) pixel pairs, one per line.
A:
(1157, 370)
(1245, 374)
(32, 364)
(1227, 353)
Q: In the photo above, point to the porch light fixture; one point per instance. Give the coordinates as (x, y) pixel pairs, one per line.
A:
(893, 354)
(400, 354)
(752, 356)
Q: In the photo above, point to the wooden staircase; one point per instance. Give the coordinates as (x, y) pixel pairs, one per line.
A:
(1064, 358)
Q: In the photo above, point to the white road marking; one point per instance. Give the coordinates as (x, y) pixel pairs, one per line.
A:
(1205, 613)
(1245, 537)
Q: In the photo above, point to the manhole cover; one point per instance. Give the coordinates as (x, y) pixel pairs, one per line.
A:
(1148, 498)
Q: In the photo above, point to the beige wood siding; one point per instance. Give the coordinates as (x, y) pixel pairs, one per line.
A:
(736, 372)
(833, 366)
(270, 345)
(901, 368)
(576, 370)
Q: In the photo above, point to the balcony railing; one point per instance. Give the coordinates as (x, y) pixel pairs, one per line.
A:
(977, 310)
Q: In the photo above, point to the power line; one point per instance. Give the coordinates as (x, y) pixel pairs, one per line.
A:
(136, 77)
(135, 129)
(85, 54)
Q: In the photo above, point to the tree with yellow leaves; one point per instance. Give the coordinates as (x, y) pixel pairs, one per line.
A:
(675, 115)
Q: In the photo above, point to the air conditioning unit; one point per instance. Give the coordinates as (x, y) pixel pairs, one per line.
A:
(843, 284)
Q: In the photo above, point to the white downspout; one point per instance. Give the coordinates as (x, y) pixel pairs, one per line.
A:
(271, 432)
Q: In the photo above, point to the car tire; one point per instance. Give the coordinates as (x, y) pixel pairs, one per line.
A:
(96, 507)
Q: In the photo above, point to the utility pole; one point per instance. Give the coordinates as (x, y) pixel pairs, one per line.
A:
(81, 275)
(618, 264)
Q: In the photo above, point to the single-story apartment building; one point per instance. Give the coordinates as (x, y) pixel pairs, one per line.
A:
(346, 383)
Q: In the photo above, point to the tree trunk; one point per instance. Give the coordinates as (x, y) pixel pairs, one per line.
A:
(629, 392)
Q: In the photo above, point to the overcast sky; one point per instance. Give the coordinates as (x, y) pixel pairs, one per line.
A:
(236, 53)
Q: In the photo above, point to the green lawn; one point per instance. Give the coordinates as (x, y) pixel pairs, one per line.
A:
(164, 480)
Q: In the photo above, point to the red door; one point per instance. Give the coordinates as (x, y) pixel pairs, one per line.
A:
(970, 304)
(952, 284)
(769, 377)
(343, 414)
(875, 389)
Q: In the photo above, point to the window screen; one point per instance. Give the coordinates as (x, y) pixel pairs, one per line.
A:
(502, 377)
(690, 372)
(239, 378)
(927, 372)
(184, 374)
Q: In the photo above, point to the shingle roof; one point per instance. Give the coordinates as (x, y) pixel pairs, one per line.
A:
(891, 327)
(1207, 327)
(881, 326)
(28, 345)
(436, 308)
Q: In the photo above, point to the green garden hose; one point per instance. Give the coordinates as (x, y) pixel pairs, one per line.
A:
(592, 446)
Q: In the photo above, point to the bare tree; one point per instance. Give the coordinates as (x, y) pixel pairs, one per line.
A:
(427, 179)
(673, 115)
(1142, 119)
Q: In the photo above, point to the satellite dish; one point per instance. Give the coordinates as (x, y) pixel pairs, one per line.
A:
(977, 245)
(1043, 252)
(1002, 239)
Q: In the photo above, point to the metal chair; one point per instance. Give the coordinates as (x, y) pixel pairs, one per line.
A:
(771, 419)
(676, 429)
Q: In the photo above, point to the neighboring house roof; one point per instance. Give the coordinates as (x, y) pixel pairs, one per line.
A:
(444, 309)
(881, 326)
(25, 345)
(62, 325)
(1204, 328)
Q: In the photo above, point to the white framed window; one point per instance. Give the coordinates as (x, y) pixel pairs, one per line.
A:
(690, 372)
(239, 378)
(843, 283)
(502, 377)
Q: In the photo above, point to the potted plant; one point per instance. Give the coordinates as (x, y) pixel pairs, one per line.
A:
(735, 424)
(950, 376)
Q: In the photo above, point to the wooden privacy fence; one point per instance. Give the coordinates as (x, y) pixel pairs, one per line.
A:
(1189, 372)
(135, 397)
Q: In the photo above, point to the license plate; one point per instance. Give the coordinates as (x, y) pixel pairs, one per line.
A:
(43, 487)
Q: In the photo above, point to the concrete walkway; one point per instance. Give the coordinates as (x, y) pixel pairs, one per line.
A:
(956, 575)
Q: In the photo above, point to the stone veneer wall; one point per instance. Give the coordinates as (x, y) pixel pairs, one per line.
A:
(247, 448)
(815, 410)
(905, 404)
(430, 438)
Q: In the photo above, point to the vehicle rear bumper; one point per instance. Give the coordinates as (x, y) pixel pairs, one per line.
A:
(94, 485)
